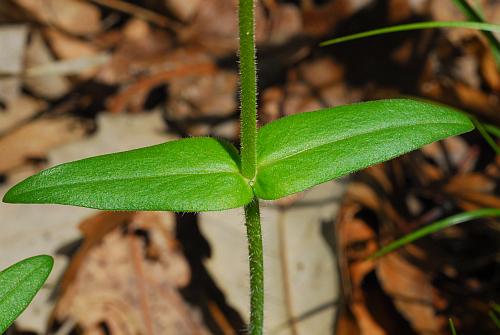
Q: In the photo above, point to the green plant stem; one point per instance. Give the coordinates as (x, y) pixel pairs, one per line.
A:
(255, 253)
(248, 93)
(473, 15)
(248, 84)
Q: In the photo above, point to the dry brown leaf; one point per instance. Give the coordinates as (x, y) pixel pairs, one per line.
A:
(33, 140)
(215, 27)
(126, 277)
(67, 47)
(183, 9)
(13, 42)
(134, 95)
(139, 50)
(47, 86)
(285, 22)
(490, 71)
(19, 110)
(412, 292)
(203, 96)
(355, 243)
(300, 276)
(65, 14)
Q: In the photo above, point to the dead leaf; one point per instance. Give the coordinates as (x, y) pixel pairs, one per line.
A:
(47, 86)
(126, 277)
(300, 272)
(13, 41)
(183, 9)
(35, 139)
(65, 14)
(19, 110)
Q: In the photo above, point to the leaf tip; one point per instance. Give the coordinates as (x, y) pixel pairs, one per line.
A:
(44, 263)
(12, 196)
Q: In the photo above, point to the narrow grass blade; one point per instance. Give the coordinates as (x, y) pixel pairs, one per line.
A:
(487, 137)
(495, 318)
(452, 326)
(496, 307)
(435, 227)
(18, 286)
(475, 16)
(493, 130)
(416, 26)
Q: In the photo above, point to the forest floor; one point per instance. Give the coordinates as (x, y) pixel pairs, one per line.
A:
(80, 78)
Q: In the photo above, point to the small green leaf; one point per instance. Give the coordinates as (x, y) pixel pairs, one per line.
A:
(435, 227)
(303, 150)
(416, 26)
(195, 174)
(18, 286)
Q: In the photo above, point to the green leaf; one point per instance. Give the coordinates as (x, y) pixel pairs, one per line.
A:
(18, 286)
(195, 174)
(452, 326)
(435, 227)
(475, 15)
(494, 318)
(496, 307)
(486, 135)
(303, 150)
(492, 129)
(416, 26)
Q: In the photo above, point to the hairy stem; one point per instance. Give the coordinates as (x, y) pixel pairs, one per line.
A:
(248, 84)
(248, 93)
(254, 234)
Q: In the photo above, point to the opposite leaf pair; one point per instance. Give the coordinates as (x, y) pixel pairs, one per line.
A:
(203, 174)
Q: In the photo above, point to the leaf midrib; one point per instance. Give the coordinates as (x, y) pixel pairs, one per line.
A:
(93, 181)
(347, 137)
(12, 291)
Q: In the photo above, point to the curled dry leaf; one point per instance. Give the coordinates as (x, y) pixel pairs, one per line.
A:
(126, 276)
